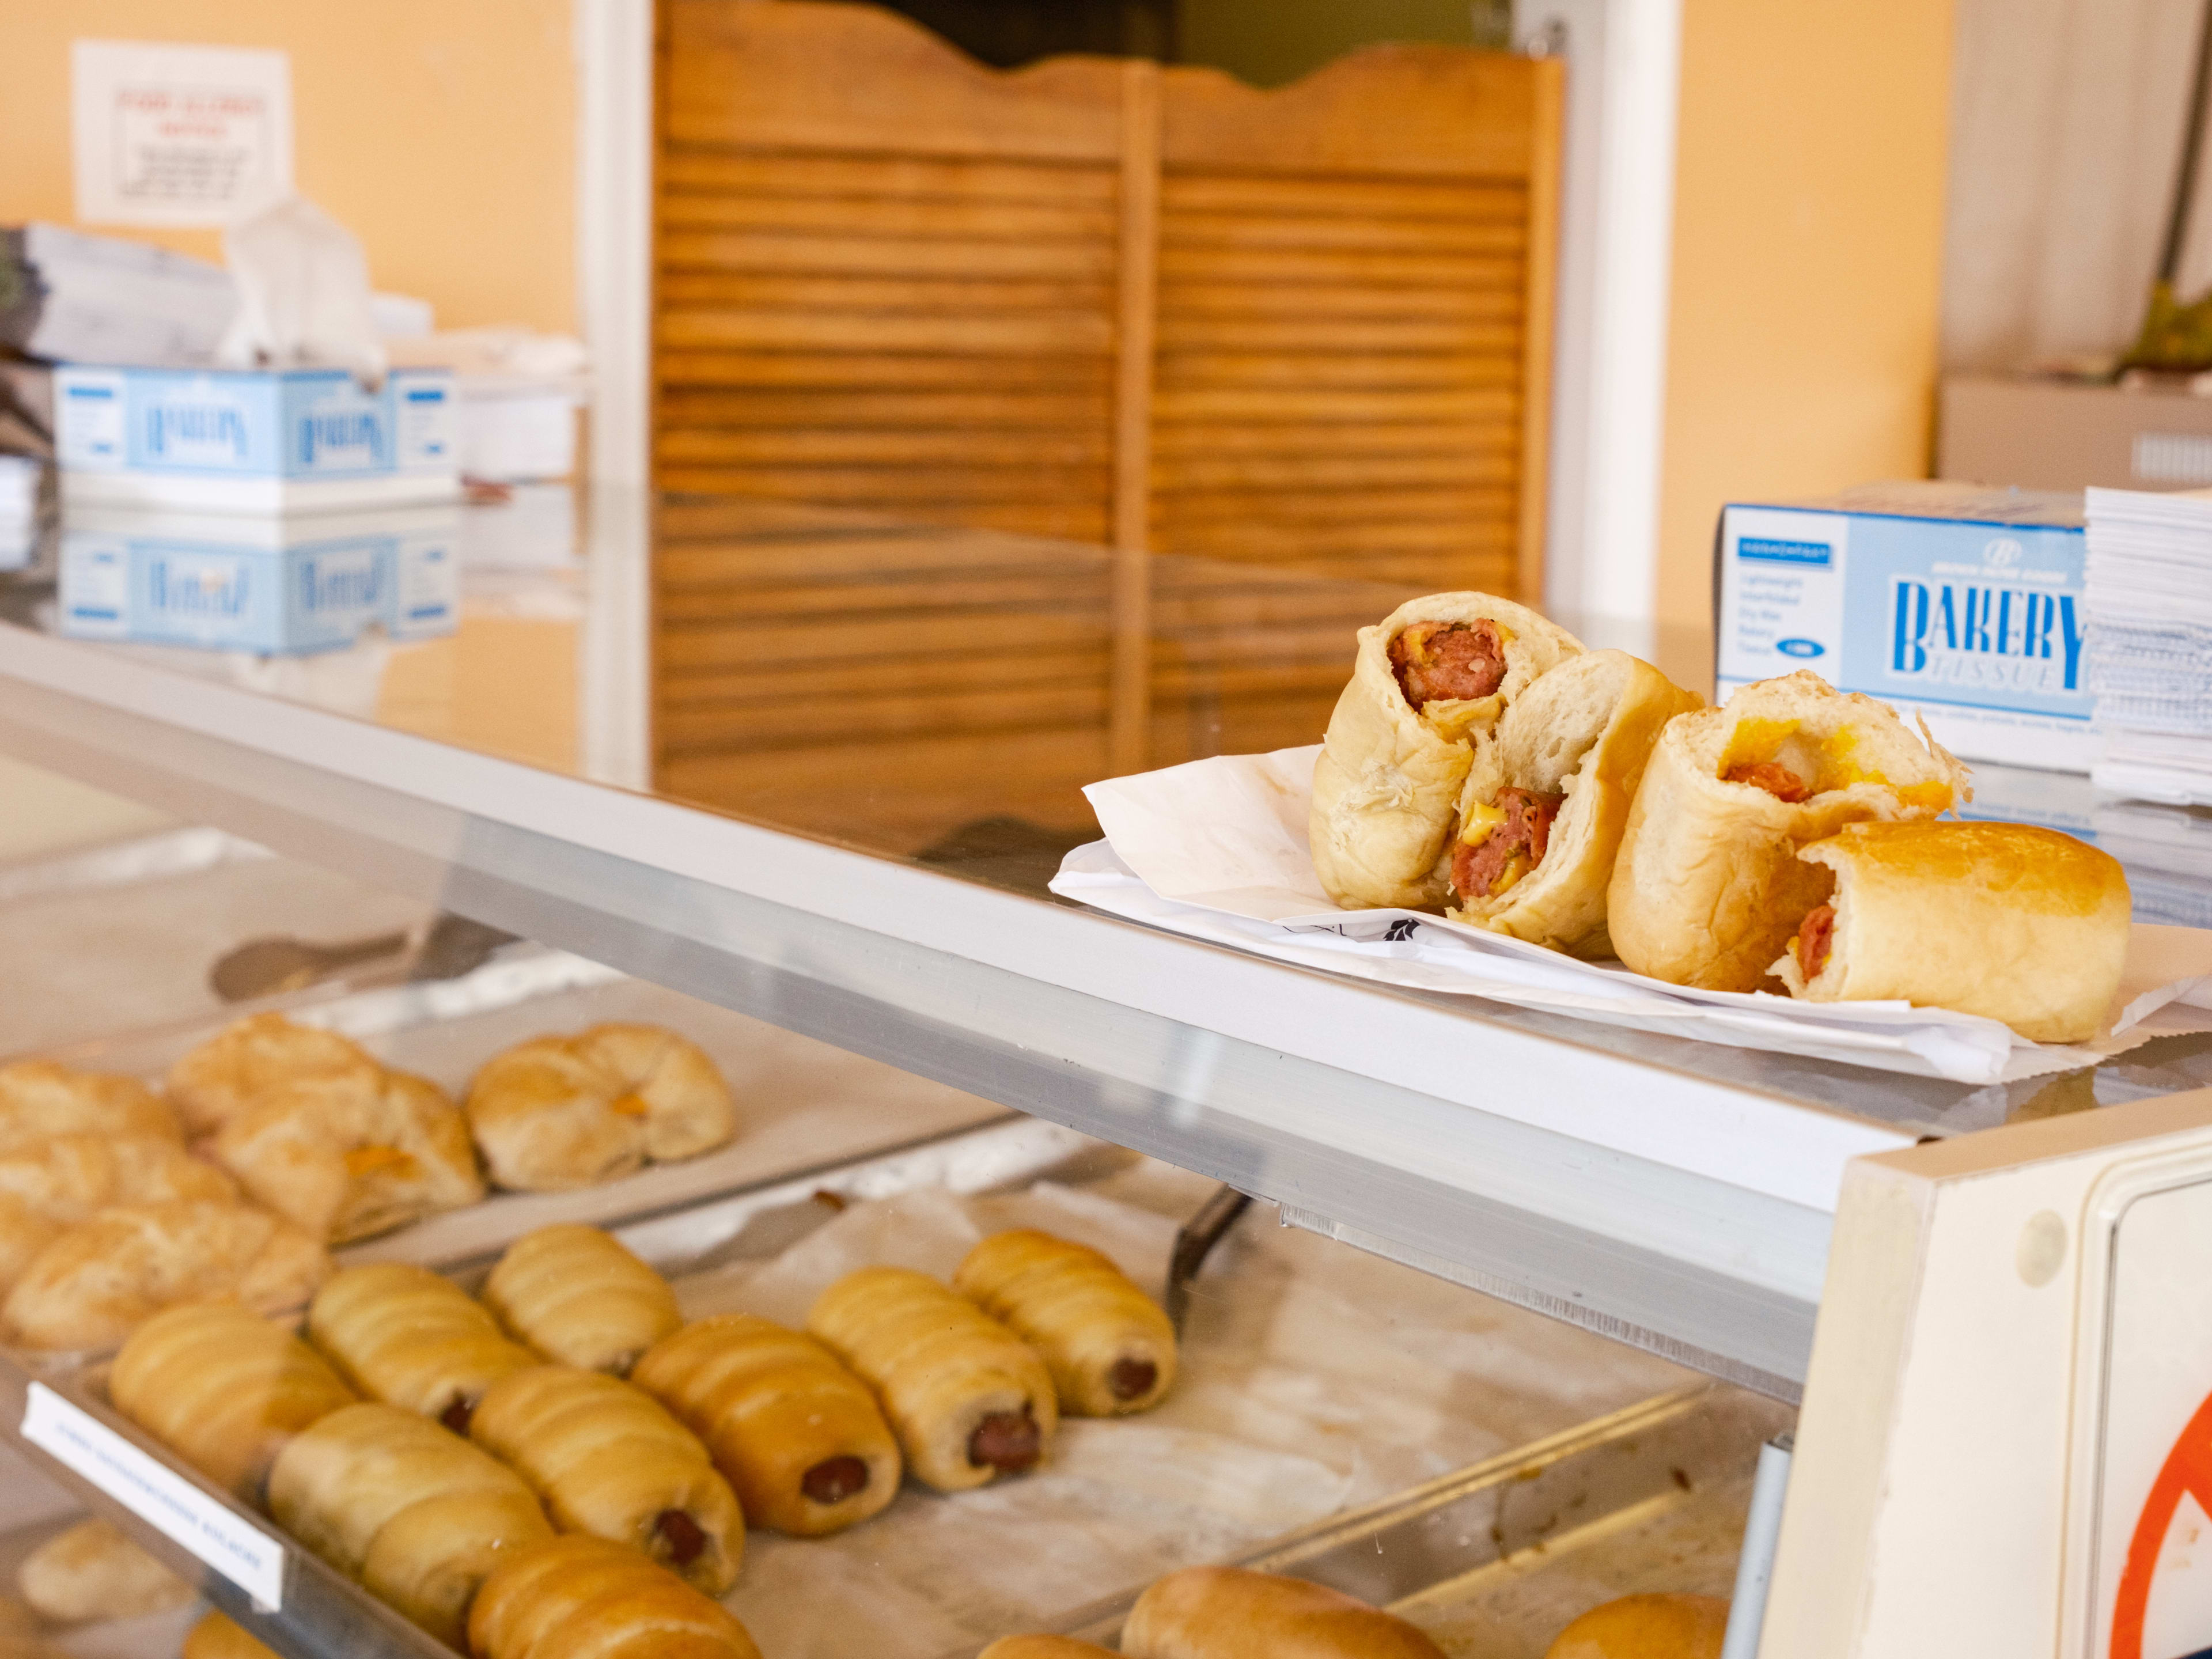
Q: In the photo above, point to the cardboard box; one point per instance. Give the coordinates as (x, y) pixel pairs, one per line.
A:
(2045, 434)
(293, 587)
(253, 440)
(1961, 604)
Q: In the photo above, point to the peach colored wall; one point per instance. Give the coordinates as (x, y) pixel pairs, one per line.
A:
(1808, 234)
(443, 132)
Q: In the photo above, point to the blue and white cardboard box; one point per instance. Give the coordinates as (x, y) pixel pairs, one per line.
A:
(317, 582)
(1957, 601)
(254, 440)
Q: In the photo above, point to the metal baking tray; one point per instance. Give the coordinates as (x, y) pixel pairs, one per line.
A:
(1494, 1561)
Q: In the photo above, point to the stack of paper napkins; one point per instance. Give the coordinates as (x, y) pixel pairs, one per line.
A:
(2150, 598)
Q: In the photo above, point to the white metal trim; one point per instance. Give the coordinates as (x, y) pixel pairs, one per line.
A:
(613, 48)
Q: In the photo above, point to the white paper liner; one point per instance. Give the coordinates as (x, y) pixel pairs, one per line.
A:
(1217, 849)
(1312, 1378)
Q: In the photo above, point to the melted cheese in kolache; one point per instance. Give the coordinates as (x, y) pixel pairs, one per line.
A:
(1547, 798)
(1429, 682)
(1708, 889)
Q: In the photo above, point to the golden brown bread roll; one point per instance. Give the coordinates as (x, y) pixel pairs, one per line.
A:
(577, 1296)
(557, 1112)
(347, 1160)
(91, 1571)
(581, 1597)
(97, 1280)
(39, 1099)
(1646, 1627)
(223, 1388)
(2008, 920)
(1401, 739)
(412, 1511)
(1036, 1647)
(402, 1335)
(1109, 1347)
(1708, 887)
(969, 1399)
(66, 1178)
(217, 1637)
(800, 1437)
(607, 1460)
(1231, 1612)
(214, 1083)
(1547, 798)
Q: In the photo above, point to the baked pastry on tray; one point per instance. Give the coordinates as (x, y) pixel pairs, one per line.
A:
(557, 1112)
(1232, 1613)
(969, 1399)
(214, 1083)
(91, 1572)
(1653, 1626)
(400, 1334)
(800, 1437)
(1109, 1347)
(39, 1099)
(347, 1157)
(1430, 680)
(217, 1637)
(1708, 888)
(576, 1295)
(581, 1597)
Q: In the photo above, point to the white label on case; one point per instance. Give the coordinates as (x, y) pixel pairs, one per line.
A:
(240, 1551)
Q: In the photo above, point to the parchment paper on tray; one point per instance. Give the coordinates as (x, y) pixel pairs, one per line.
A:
(1306, 1385)
(1217, 849)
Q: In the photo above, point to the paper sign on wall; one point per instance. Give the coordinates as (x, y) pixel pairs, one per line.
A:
(178, 135)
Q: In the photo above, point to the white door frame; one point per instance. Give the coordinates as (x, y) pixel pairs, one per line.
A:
(1608, 383)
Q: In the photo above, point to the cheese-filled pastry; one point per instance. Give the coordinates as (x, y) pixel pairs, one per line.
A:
(402, 1335)
(217, 1637)
(1231, 1612)
(1546, 800)
(91, 1572)
(1109, 1347)
(1708, 887)
(969, 1399)
(800, 1437)
(214, 1083)
(555, 1113)
(346, 1160)
(39, 1099)
(97, 1280)
(414, 1513)
(581, 1597)
(2008, 920)
(576, 1295)
(1430, 680)
(608, 1459)
(69, 1177)
(1661, 1626)
(223, 1388)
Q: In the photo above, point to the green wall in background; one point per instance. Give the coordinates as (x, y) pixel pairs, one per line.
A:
(1269, 42)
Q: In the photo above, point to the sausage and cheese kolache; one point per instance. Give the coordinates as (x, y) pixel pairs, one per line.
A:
(347, 1158)
(1547, 798)
(2009, 920)
(575, 1295)
(608, 1460)
(1430, 680)
(1661, 1627)
(402, 1335)
(580, 1597)
(557, 1112)
(799, 1436)
(214, 1083)
(417, 1514)
(1109, 1347)
(224, 1389)
(1232, 1613)
(969, 1399)
(1708, 888)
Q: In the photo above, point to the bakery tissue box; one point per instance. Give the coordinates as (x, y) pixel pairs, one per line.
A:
(1957, 602)
(254, 440)
(317, 582)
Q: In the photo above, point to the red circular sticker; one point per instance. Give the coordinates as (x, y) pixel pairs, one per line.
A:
(2188, 1471)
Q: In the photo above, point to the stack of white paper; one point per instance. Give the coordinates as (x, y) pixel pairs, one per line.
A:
(103, 300)
(20, 479)
(2149, 597)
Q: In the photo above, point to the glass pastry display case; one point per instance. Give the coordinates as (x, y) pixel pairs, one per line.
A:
(790, 785)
